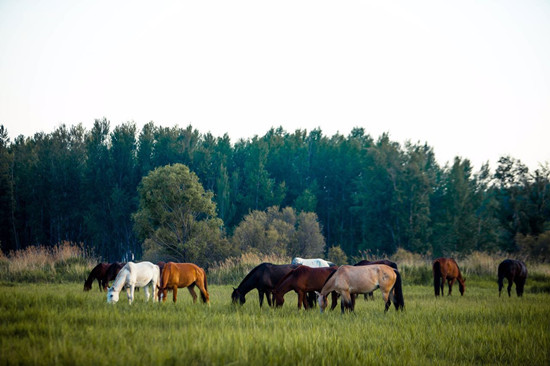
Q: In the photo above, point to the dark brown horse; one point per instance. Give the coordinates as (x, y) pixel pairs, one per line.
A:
(381, 261)
(515, 272)
(97, 273)
(103, 272)
(179, 275)
(302, 280)
(446, 269)
(263, 277)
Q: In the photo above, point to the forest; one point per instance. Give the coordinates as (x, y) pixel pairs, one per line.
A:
(369, 195)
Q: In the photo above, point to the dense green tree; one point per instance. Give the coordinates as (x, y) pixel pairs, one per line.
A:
(177, 219)
(7, 237)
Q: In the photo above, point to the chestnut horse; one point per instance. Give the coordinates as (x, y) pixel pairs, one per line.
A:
(263, 277)
(514, 271)
(103, 272)
(350, 280)
(446, 269)
(179, 275)
(303, 279)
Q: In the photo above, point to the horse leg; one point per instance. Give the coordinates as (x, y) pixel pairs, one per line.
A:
(261, 295)
(270, 298)
(510, 282)
(334, 296)
(146, 289)
(346, 301)
(175, 293)
(131, 293)
(301, 300)
(191, 290)
(520, 283)
(451, 283)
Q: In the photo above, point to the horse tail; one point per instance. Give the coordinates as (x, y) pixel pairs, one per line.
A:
(399, 301)
(437, 276)
(202, 274)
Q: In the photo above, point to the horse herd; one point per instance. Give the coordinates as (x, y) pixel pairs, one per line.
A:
(312, 279)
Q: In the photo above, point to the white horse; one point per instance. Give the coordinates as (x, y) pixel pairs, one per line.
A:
(313, 262)
(133, 275)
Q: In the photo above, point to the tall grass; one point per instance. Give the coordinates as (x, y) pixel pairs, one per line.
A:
(60, 324)
(65, 262)
(232, 270)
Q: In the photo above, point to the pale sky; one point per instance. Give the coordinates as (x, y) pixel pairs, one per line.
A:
(470, 78)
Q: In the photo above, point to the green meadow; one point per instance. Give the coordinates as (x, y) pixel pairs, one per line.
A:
(47, 324)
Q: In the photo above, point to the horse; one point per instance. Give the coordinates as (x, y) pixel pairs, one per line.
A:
(514, 271)
(97, 273)
(178, 275)
(350, 280)
(313, 262)
(381, 261)
(303, 279)
(447, 269)
(263, 277)
(112, 272)
(132, 275)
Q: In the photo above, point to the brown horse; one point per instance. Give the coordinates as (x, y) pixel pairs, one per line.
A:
(178, 275)
(97, 273)
(302, 280)
(446, 269)
(350, 280)
(515, 272)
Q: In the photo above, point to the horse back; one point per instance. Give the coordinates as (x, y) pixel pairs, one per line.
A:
(381, 261)
(181, 274)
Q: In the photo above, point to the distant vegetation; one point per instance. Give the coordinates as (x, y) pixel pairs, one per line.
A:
(358, 193)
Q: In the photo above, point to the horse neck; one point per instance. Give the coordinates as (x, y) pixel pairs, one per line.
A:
(120, 279)
(247, 284)
(329, 285)
(285, 284)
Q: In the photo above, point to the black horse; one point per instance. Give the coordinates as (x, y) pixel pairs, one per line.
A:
(381, 261)
(263, 277)
(514, 271)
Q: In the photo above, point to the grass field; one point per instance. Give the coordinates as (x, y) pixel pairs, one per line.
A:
(60, 324)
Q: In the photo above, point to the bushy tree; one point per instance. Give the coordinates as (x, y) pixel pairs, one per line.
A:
(177, 219)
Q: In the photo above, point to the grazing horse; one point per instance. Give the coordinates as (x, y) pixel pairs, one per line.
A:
(303, 279)
(112, 272)
(447, 269)
(263, 277)
(313, 262)
(97, 273)
(178, 275)
(514, 271)
(381, 261)
(132, 275)
(350, 280)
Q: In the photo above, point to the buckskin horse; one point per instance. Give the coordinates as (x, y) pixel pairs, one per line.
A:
(350, 280)
(515, 272)
(263, 277)
(302, 280)
(446, 269)
(368, 263)
(179, 275)
(132, 275)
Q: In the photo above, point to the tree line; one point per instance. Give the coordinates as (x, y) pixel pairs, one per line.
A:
(368, 194)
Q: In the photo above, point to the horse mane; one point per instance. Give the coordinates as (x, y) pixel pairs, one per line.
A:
(119, 280)
(329, 277)
(252, 272)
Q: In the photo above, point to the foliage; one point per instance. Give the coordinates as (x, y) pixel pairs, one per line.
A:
(281, 232)
(368, 194)
(177, 218)
(337, 256)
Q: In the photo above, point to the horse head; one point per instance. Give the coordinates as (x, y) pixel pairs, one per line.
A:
(462, 286)
(87, 286)
(161, 293)
(237, 296)
(322, 301)
(112, 296)
(279, 299)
